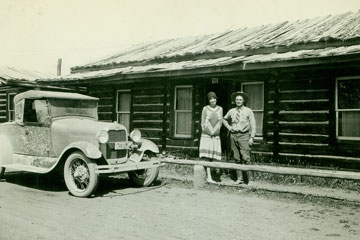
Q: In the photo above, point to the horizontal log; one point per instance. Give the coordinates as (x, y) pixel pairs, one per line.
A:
(289, 128)
(105, 116)
(263, 147)
(296, 106)
(270, 169)
(105, 108)
(151, 133)
(303, 95)
(303, 85)
(100, 90)
(311, 116)
(148, 108)
(148, 100)
(301, 139)
(106, 101)
(321, 150)
(147, 91)
(147, 116)
(149, 124)
(102, 94)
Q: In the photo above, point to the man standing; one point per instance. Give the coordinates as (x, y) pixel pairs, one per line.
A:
(240, 122)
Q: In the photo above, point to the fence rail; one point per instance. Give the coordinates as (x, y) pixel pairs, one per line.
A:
(270, 169)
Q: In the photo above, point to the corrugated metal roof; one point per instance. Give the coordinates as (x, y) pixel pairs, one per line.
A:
(11, 73)
(328, 28)
(183, 65)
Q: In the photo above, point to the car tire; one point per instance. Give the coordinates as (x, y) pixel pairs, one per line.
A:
(144, 177)
(79, 174)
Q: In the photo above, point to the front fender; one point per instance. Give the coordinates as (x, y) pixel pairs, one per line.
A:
(90, 150)
(146, 145)
(6, 151)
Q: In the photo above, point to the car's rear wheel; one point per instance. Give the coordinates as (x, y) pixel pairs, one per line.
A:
(144, 177)
(80, 176)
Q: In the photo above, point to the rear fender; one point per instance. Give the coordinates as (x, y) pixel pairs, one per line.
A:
(6, 151)
(90, 150)
(146, 145)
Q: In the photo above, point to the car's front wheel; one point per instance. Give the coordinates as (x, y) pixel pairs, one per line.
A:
(80, 176)
(144, 177)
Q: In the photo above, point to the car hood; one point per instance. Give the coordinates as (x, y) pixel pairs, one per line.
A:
(69, 130)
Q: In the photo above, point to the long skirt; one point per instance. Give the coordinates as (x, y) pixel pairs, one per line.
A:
(210, 147)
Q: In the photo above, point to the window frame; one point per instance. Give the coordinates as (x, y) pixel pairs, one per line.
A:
(9, 111)
(183, 111)
(337, 110)
(123, 112)
(258, 135)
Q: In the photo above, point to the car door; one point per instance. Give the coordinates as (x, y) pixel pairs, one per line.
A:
(32, 132)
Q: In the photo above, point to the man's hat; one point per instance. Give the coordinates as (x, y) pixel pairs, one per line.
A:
(238, 93)
(211, 95)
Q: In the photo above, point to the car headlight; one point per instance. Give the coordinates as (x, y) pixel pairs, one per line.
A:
(135, 135)
(103, 136)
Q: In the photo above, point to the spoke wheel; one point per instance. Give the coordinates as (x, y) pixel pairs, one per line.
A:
(80, 176)
(144, 177)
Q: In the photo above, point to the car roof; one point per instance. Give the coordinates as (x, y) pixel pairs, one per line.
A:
(36, 94)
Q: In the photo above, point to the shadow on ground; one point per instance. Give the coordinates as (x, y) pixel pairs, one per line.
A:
(108, 185)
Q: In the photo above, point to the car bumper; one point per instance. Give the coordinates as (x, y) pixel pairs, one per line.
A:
(126, 167)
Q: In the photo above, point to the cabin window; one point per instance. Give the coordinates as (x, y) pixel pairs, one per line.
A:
(255, 91)
(123, 107)
(348, 108)
(11, 107)
(183, 102)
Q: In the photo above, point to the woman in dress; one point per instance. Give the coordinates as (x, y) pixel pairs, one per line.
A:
(211, 121)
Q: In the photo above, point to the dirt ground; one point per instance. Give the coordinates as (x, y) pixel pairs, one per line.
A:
(40, 207)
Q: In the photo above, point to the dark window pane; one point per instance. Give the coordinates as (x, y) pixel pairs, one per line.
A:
(349, 94)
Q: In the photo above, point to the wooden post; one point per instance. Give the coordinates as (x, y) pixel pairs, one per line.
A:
(2, 173)
(165, 113)
(59, 67)
(199, 180)
(276, 114)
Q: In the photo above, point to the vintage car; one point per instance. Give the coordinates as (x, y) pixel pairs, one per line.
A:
(55, 130)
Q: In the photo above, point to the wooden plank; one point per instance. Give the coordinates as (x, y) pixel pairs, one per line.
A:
(270, 169)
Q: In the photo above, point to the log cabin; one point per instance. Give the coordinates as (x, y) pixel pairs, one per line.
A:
(302, 77)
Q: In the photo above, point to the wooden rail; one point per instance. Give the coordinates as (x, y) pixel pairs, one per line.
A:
(270, 169)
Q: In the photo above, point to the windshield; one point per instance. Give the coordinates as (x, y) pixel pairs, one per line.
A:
(73, 107)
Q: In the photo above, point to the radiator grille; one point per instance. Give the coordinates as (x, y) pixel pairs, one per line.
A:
(108, 149)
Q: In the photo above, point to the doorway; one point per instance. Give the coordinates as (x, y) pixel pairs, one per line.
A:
(222, 92)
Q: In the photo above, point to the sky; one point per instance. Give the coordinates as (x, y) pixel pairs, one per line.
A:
(35, 33)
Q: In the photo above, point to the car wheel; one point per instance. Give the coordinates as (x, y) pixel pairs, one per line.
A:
(80, 176)
(144, 177)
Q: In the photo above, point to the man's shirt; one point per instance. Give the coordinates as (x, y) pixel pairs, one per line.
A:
(241, 120)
